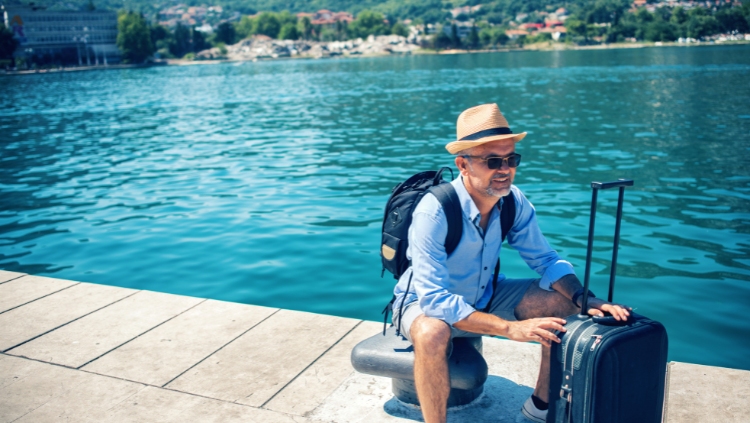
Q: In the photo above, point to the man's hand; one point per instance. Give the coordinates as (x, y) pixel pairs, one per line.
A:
(598, 307)
(536, 330)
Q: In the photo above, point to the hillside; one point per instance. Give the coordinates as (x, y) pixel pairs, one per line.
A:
(429, 11)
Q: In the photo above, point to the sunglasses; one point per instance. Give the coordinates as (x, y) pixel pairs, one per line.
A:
(497, 162)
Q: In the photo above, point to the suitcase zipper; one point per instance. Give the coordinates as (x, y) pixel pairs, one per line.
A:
(566, 387)
(596, 342)
(589, 372)
(590, 368)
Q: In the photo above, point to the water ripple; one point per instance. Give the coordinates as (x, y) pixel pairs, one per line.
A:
(243, 183)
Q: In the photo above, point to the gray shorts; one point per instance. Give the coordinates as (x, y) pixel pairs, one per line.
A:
(503, 303)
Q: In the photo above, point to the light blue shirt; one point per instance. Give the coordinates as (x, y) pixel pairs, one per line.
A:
(451, 288)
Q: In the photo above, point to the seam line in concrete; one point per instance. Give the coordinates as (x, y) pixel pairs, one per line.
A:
(143, 384)
(141, 334)
(67, 323)
(35, 299)
(310, 365)
(16, 278)
(219, 349)
(292, 416)
(31, 411)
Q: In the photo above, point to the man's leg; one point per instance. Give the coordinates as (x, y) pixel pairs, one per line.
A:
(431, 338)
(538, 302)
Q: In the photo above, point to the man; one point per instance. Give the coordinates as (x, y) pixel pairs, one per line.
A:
(440, 297)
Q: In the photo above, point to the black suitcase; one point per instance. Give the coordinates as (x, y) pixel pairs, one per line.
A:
(604, 370)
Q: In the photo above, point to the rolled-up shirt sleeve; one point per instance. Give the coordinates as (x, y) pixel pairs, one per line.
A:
(527, 239)
(430, 276)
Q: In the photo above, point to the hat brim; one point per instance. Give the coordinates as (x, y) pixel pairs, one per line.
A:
(457, 146)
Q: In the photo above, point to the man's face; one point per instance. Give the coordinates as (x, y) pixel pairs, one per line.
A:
(482, 180)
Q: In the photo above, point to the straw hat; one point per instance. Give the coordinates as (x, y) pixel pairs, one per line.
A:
(479, 125)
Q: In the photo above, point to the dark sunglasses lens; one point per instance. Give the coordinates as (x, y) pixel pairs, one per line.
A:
(497, 162)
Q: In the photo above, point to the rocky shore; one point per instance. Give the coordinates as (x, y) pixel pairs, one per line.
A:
(262, 47)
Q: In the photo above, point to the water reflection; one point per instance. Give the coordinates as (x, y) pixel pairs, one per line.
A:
(264, 183)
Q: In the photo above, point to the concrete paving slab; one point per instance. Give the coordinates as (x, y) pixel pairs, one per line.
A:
(261, 362)
(79, 342)
(365, 398)
(33, 319)
(29, 288)
(12, 369)
(707, 394)
(165, 406)
(515, 361)
(46, 393)
(6, 275)
(162, 354)
(311, 387)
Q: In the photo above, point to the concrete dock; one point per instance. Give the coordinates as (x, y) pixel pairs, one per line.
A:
(80, 352)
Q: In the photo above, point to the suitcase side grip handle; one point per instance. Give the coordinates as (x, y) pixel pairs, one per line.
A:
(610, 321)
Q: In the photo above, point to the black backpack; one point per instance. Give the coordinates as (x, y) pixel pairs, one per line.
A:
(398, 215)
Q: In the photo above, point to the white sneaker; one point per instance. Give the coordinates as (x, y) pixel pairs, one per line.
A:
(532, 413)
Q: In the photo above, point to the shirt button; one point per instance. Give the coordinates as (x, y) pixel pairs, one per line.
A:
(485, 267)
(482, 287)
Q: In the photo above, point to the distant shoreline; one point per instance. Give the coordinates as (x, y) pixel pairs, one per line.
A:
(545, 46)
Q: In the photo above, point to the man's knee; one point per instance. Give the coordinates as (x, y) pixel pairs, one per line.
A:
(430, 335)
(538, 302)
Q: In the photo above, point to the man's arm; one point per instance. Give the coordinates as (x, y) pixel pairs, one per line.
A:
(539, 330)
(568, 285)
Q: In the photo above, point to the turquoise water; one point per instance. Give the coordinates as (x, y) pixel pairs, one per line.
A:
(264, 183)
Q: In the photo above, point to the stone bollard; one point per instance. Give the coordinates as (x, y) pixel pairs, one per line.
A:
(393, 356)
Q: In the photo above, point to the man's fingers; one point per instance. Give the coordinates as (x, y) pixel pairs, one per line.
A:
(618, 311)
(595, 312)
(540, 339)
(547, 335)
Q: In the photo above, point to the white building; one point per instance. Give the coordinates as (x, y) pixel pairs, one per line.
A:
(85, 38)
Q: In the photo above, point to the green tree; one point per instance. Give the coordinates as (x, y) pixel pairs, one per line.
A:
(575, 26)
(244, 27)
(441, 40)
(700, 23)
(225, 33)
(285, 17)
(8, 44)
(492, 36)
(607, 11)
(455, 39)
(472, 40)
(181, 41)
(305, 28)
(368, 23)
(161, 38)
(198, 41)
(732, 19)
(90, 6)
(678, 20)
(434, 16)
(134, 37)
(288, 32)
(400, 29)
(267, 23)
(328, 34)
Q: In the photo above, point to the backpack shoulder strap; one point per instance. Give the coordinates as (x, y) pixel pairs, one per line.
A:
(446, 194)
(507, 214)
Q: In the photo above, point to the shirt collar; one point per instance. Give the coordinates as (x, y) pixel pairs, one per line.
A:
(467, 204)
(468, 207)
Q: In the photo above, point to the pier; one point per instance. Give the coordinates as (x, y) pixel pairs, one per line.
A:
(73, 351)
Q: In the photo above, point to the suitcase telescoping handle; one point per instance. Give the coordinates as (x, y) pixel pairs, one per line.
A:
(621, 184)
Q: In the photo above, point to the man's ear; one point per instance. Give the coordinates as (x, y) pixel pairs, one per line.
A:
(462, 164)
